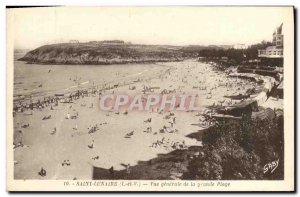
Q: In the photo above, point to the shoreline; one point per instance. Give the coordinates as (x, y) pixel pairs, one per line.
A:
(88, 89)
(104, 63)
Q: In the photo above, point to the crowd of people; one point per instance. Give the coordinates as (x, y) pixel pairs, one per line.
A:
(52, 101)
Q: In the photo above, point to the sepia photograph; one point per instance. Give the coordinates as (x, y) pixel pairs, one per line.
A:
(150, 98)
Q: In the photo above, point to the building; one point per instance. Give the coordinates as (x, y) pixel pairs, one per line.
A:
(274, 54)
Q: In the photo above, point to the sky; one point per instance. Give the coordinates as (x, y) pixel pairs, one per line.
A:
(34, 27)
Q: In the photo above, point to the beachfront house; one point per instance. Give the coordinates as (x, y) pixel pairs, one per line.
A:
(273, 55)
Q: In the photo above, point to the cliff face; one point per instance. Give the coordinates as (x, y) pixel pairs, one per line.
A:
(95, 53)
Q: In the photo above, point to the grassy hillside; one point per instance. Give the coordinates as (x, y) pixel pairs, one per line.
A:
(101, 53)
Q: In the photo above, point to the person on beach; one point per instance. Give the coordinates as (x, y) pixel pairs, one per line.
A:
(68, 116)
(111, 171)
(54, 131)
(91, 146)
(128, 169)
(75, 128)
(42, 172)
(66, 162)
(25, 125)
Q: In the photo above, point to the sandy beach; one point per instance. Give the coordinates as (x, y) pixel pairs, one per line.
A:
(54, 144)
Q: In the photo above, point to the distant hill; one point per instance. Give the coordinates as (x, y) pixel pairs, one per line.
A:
(110, 52)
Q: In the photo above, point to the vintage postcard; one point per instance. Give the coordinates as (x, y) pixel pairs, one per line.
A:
(150, 98)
